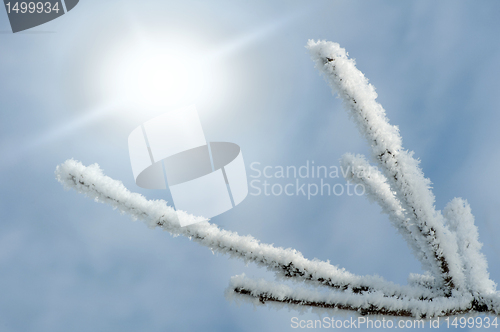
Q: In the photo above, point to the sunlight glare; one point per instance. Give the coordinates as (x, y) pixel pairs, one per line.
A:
(152, 76)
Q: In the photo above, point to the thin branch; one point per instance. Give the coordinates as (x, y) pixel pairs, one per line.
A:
(404, 175)
(461, 222)
(364, 304)
(285, 262)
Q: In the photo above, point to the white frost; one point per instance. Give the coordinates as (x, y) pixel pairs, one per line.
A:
(94, 184)
(399, 167)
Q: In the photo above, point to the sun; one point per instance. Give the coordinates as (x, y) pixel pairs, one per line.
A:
(157, 78)
(151, 75)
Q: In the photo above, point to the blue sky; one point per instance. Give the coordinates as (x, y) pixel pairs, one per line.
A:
(67, 263)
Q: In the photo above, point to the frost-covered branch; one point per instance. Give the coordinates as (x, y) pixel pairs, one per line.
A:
(261, 291)
(461, 221)
(285, 262)
(363, 294)
(400, 168)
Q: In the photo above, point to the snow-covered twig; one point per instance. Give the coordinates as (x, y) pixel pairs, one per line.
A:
(461, 221)
(285, 262)
(401, 169)
(365, 304)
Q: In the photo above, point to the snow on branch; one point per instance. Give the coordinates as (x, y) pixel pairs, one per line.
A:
(284, 262)
(456, 280)
(400, 168)
(461, 221)
(261, 291)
